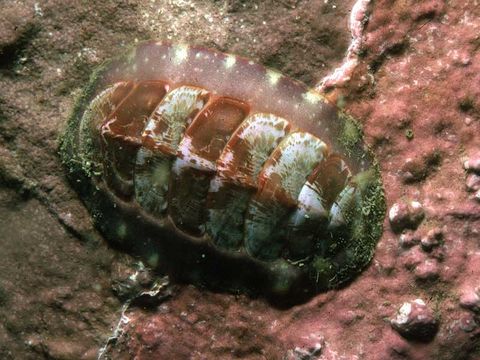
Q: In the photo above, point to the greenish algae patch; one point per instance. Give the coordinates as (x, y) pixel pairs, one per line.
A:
(364, 222)
(364, 218)
(351, 134)
(69, 148)
(80, 158)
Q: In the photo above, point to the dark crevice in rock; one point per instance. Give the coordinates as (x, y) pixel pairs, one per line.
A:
(11, 53)
(394, 50)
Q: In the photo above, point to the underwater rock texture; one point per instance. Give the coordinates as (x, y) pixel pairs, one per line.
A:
(415, 320)
(416, 91)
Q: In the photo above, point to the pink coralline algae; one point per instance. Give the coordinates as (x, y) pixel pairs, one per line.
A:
(470, 299)
(472, 166)
(406, 215)
(415, 320)
(433, 238)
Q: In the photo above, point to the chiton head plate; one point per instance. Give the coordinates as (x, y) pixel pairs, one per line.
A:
(224, 173)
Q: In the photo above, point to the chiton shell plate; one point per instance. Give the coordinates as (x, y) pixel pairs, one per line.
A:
(223, 172)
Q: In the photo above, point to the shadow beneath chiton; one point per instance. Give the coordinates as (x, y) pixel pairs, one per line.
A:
(190, 261)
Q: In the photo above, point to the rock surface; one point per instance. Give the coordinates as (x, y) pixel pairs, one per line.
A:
(405, 215)
(415, 320)
(416, 91)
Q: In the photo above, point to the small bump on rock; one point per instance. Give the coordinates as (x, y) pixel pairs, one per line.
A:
(413, 258)
(350, 317)
(415, 321)
(470, 299)
(438, 253)
(433, 238)
(405, 215)
(428, 270)
(473, 182)
(461, 58)
(472, 163)
(311, 350)
(408, 239)
(130, 279)
(420, 167)
(468, 323)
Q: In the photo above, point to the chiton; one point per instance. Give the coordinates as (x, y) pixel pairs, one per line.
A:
(223, 172)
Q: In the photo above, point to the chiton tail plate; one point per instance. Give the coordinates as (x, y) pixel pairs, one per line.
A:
(224, 173)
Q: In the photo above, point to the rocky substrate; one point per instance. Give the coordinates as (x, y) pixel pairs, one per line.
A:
(65, 294)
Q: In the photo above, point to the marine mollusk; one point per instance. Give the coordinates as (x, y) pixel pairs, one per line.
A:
(224, 172)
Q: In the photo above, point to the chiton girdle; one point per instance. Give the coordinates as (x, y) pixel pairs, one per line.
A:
(224, 173)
